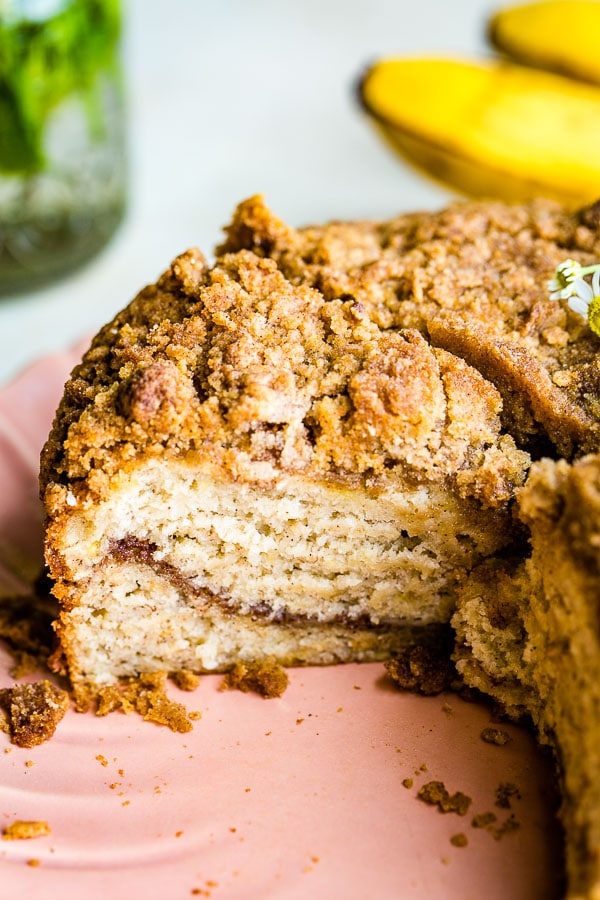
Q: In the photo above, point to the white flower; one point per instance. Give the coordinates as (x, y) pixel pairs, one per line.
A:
(582, 294)
(561, 286)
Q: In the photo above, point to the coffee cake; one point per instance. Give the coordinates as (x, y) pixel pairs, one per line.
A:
(330, 444)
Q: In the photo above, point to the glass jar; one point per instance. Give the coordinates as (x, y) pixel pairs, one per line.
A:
(62, 141)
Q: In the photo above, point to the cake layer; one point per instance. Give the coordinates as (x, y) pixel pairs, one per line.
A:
(312, 549)
(289, 562)
(152, 624)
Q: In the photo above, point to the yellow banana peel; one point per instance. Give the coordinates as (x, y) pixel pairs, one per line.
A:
(490, 129)
(559, 35)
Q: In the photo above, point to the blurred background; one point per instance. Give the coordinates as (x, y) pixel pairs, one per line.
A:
(228, 99)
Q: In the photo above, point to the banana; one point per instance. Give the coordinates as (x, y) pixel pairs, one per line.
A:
(559, 35)
(489, 129)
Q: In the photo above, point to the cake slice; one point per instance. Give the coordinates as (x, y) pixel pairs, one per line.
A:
(242, 469)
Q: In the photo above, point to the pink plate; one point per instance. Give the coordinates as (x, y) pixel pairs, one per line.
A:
(282, 799)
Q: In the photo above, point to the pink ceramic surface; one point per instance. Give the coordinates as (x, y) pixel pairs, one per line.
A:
(299, 797)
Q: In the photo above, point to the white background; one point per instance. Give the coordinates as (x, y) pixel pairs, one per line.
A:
(236, 97)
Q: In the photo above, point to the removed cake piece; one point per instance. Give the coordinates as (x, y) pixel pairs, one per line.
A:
(527, 634)
(242, 468)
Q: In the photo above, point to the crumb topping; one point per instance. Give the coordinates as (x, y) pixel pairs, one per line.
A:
(473, 279)
(280, 358)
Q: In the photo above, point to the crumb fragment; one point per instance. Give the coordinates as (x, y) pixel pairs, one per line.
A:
(484, 820)
(507, 827)
(459, 840)
(26, 626)
(495, 736)
(34, 863)
(24, 663)
(265, 677)
(186, 680)
(434, 793)
(424, 669)
(147, 696)
(21, 830)
(32, 711)
(487, 822)
(407, 783)
(506, 791)
(109, 699)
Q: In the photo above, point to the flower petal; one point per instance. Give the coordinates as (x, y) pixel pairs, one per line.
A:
(580, 288)
(578, 305)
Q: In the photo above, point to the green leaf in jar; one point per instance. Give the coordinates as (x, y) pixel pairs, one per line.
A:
(42, 63)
